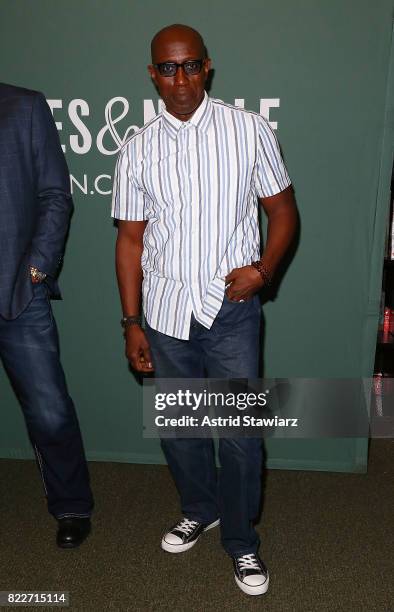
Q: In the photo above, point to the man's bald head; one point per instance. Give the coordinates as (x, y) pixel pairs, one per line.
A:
(177, 33)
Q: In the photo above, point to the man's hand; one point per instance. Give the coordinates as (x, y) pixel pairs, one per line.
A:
(137, 349)
(245, 282)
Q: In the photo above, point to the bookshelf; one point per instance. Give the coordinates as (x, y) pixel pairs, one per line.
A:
(383, 378)
(384, 357)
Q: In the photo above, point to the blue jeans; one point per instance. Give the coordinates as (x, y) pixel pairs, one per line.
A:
(230, 349)
(29, 351)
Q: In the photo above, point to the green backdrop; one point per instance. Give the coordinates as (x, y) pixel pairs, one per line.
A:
(323, 68)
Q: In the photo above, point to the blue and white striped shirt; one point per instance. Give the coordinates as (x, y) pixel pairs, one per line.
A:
(196, 182)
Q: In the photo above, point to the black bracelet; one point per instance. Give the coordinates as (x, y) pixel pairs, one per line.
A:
(131, 320)
(264, 273)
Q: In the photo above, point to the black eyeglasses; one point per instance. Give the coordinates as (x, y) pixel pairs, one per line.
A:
(169, 69)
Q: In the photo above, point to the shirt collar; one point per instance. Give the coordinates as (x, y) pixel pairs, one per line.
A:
(200, 118)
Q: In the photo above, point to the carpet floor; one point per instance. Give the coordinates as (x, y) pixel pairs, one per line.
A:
(327, 539)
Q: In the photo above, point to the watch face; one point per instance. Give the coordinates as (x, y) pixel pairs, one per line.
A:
(36, 274)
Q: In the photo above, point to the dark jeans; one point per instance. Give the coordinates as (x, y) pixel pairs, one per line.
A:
(29, 350)
(230, 349)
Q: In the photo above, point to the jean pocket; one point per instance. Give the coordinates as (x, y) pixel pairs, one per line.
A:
(41, 300)
(40, 289)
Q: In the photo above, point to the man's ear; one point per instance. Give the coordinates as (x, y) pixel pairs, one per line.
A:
(152, 72)
(207, 66)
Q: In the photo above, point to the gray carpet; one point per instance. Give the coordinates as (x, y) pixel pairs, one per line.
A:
(327, 540)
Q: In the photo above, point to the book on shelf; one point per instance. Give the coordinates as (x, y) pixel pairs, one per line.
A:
(391, 233)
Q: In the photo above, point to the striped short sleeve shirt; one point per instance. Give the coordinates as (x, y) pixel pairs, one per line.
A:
(196, 183)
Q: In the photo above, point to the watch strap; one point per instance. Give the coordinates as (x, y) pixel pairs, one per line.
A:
(131, 320)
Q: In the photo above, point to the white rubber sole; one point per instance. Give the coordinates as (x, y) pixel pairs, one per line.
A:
(253, 590)
(179, 548)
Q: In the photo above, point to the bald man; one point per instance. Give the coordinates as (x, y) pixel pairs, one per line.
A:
(186, 194)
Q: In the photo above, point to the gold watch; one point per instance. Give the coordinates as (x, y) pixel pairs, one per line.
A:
(36, 275)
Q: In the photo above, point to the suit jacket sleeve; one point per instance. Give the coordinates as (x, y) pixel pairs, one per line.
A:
(52, 188)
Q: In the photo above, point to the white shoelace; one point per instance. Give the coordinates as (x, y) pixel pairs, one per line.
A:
(248, 562)
(186, 526)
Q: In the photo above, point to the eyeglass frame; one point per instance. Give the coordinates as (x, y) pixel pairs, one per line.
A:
(200, 61)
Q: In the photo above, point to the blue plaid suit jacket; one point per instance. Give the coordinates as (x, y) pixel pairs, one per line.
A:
(35, 200)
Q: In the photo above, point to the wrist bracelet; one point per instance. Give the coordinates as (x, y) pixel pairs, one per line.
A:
(132, 320)
(263, 271)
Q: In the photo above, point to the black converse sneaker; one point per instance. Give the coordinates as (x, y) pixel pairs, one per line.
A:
(250, 574)
(184, 535)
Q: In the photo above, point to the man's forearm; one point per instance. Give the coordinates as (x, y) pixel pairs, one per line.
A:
(282, 224)
(280, 233)
(129, 274)
(129, 247)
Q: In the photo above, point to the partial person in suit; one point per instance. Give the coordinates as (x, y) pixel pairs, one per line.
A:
(35, 208)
